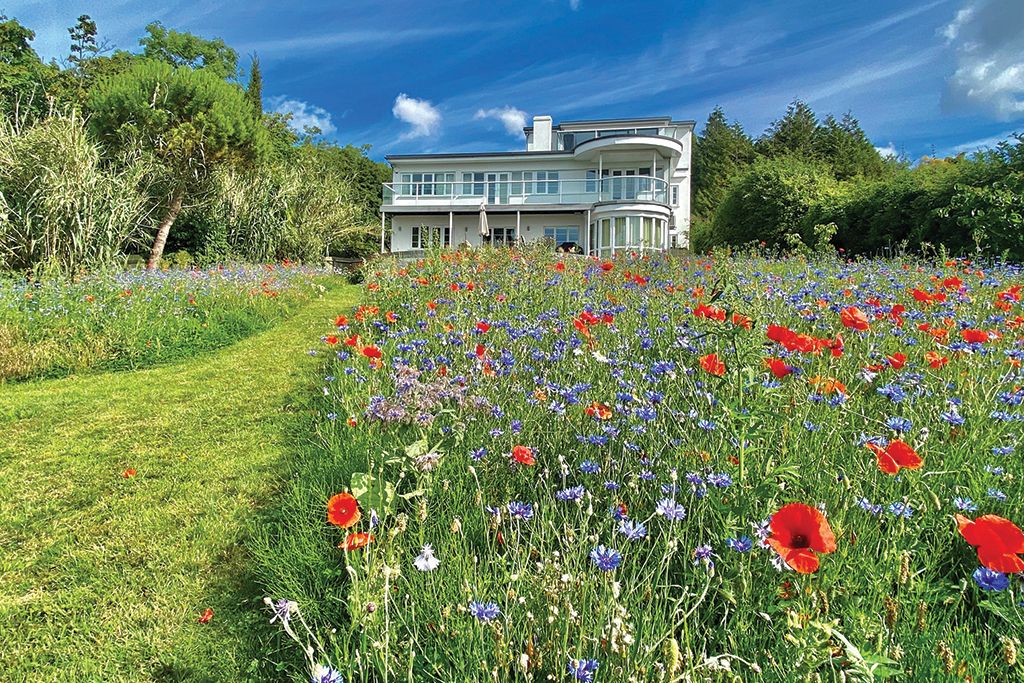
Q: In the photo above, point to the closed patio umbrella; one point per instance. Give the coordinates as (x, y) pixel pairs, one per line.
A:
(485, 230)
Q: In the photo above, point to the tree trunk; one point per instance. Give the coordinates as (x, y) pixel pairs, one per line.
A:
(165, 228)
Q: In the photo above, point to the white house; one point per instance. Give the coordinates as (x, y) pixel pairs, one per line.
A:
(602, 185)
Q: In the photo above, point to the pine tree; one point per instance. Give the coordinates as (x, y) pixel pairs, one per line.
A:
(846, 148)
(83, 41)
(254, 91)
(794, 134)
(721, 151)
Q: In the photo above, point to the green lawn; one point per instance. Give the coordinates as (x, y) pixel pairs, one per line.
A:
(103, 577)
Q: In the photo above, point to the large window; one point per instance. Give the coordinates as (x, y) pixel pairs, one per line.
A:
(547, 182)
(473, 184)
(633, 233)
(426, 236)
(430, 184)
(561, 235)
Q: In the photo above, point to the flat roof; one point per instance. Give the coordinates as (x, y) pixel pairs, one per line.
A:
(470, 155)
(667, 120)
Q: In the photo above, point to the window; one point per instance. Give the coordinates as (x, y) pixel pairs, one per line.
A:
(503, 236)
(568, 140)
(473, 184)
(548, 182)
(426, 236)
(675, 195)
(436, 184)
(563, 234)
(592, 180)
(646, 131)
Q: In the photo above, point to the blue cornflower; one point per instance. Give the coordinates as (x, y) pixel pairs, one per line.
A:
(720, 480)
(1002, 450)
(894, 392)
(704, 553)
(325, 674)
(742, 544)
(571, 493)
(611, 485)
(606, 559)
(589, 467)
(996, 494)
(670, 509)
(990, 580)
(899, 424)
(707, 425)
(484, 611)
(901, 510)
(811, 427)
(583, 669)
(964, 504)
(520, 510)
(867, 506)
(478, 454)
(952, 417)
(332, 416)
(634, 531)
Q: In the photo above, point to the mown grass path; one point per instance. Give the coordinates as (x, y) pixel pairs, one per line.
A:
(104, 578)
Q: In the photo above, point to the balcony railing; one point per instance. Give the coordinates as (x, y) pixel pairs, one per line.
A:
(519, 192)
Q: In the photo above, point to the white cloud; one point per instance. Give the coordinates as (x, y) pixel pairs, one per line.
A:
(982, 143)
(424, 117)
(513, 119)
(988, 38)
(303, 114)
(888, 151)
(574, 5)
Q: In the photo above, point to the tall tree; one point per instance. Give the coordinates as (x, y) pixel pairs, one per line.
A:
(83, 41)
(24, 78)
(722, 151)
(185, 49)
(191, 120)
(846, 148)
(254, 91)
(794, 134)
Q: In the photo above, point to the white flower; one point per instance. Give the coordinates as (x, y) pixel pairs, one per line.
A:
(425, 561)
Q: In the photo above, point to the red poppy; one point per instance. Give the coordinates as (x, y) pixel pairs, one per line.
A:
(371, 351)
(935, 359)
(598, 411)
(482, 327)
(896, 455)
(710, 312)
(974, 336)
(827, 385)
(356, 540)
(523, 455)
(331, 340)
(129, 473)
(480, 350)
(999, 542)
(896, 360)
(712, 364)
(742, 321)
(559, 266)
(340, 321)
(778, 367)
(206, 616)
(607, 265)
(353, 340)
(343, 510)
(391, 317)
(798, 532)
(854, 318)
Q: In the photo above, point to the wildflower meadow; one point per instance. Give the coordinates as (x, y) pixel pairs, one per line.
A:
(130, 318)
(741, 467)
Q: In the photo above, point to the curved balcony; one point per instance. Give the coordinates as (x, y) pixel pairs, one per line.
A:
(589, 150)
(507, 192)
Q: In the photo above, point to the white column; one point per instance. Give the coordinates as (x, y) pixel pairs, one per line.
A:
(586, 235)
(451, 227)
(600, 169)
(518, 234)
(382, 232)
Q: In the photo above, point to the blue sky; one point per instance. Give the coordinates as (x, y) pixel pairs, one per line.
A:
(933, 77)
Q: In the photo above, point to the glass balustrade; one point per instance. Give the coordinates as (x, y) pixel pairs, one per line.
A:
(521, 192)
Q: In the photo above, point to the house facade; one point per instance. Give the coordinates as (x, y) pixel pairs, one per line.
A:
(600, 186)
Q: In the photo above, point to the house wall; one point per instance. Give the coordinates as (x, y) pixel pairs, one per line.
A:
(466, 228)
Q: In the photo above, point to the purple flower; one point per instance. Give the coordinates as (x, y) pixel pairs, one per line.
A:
(989, 580)
(606, 559)
(520, 510)
(484, 611)
(670, 509)
(743, 544)
(583, 669)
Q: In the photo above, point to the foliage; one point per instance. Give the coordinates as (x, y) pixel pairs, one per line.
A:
(632, 530)
(181, 49)
(128, 319)
(61, 207)
(24, 80)
(771, 200)
(254, 91)
(191, 120)
(720, 153)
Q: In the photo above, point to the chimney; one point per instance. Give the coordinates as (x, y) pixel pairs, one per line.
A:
(541, 134)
